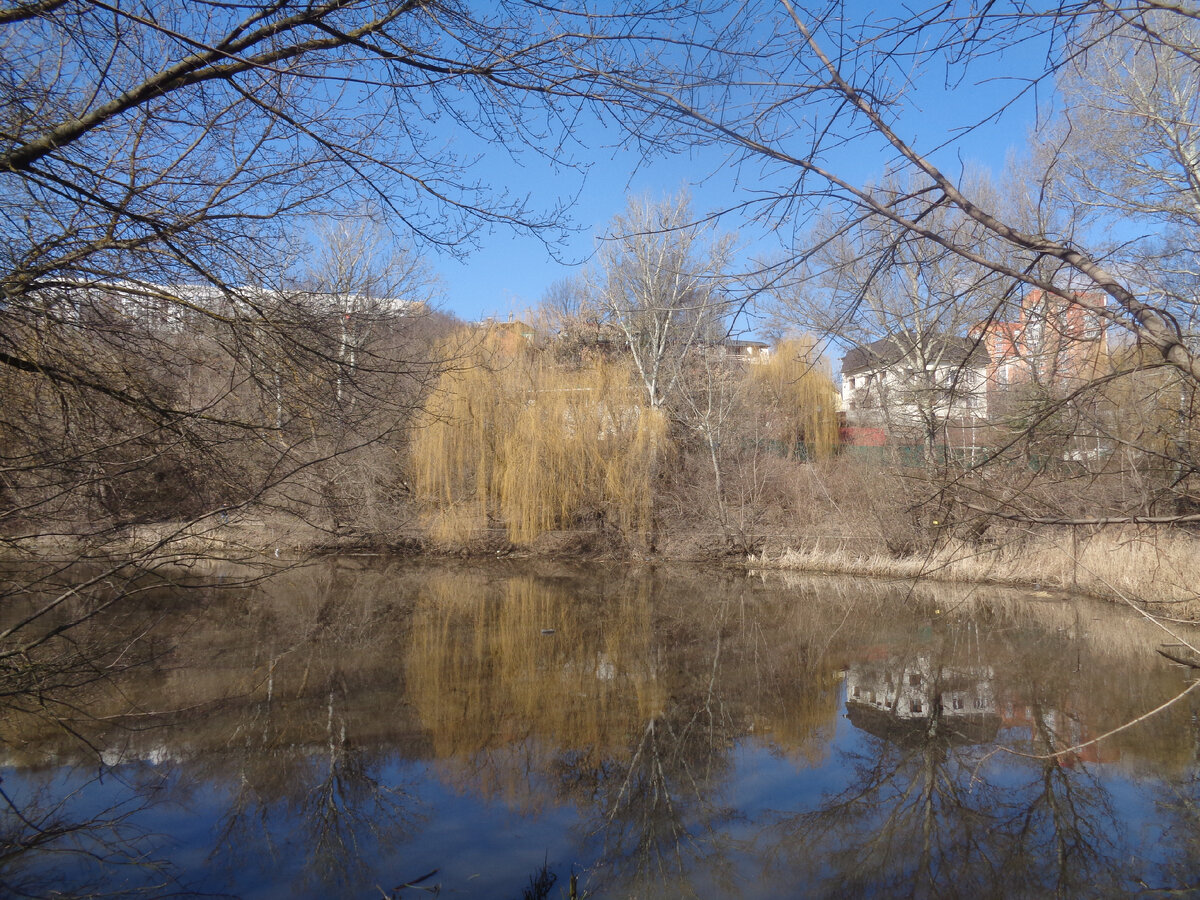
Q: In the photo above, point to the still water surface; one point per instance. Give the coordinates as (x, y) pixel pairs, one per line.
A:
(353, 726)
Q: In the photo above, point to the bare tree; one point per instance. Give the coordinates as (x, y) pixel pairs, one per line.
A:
(366, 282)
(160, 169)
(1129, 133)
(912, 313)
(565, 307)
(835, 81)
(711, 396)
(663, 283)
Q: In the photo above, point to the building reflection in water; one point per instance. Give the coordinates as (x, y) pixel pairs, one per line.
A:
(894, 698)
(666, 734)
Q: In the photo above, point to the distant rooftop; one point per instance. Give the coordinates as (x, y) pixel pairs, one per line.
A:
(941, 349)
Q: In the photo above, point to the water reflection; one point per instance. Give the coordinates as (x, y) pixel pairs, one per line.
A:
(348, 727)
(921, 699)
(549, 691)
(47, 841)
(931, 811)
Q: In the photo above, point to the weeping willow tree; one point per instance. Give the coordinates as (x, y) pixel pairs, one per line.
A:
(796, 386)
(511, 437)
(483, 689)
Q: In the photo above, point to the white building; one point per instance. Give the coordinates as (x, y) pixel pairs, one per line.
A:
(911, 699)
(907, 382)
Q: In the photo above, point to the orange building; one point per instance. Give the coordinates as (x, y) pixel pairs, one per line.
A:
(1054, 343)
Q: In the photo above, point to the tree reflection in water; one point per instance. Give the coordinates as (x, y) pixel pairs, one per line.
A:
(309, 770)
(102, 852)
(333, 799)
(660, 811)
(634, 707)
(934, 809)
(269, 714)
(683, 729)
(1179, 805)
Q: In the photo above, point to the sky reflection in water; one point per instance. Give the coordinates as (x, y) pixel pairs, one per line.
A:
(347, 728)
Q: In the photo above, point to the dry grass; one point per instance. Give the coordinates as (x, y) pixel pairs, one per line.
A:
(1111, 628)
(240, 537)
(1156, 569)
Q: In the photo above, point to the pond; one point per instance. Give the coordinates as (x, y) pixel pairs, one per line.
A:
(366, 728)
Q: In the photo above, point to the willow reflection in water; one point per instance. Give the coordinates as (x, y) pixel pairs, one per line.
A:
(628, 711)
(348, 728)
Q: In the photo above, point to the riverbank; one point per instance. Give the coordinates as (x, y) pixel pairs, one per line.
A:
(1155, 568)
(1157, 571)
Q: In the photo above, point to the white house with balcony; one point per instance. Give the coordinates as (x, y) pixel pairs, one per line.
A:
(917, 389)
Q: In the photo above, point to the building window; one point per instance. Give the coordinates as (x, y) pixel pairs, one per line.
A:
(914, 679)
(915, 706)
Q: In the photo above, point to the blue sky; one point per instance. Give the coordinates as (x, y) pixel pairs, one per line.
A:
(509, 272)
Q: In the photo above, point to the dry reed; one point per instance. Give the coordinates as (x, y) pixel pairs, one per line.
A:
(1154, 569)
